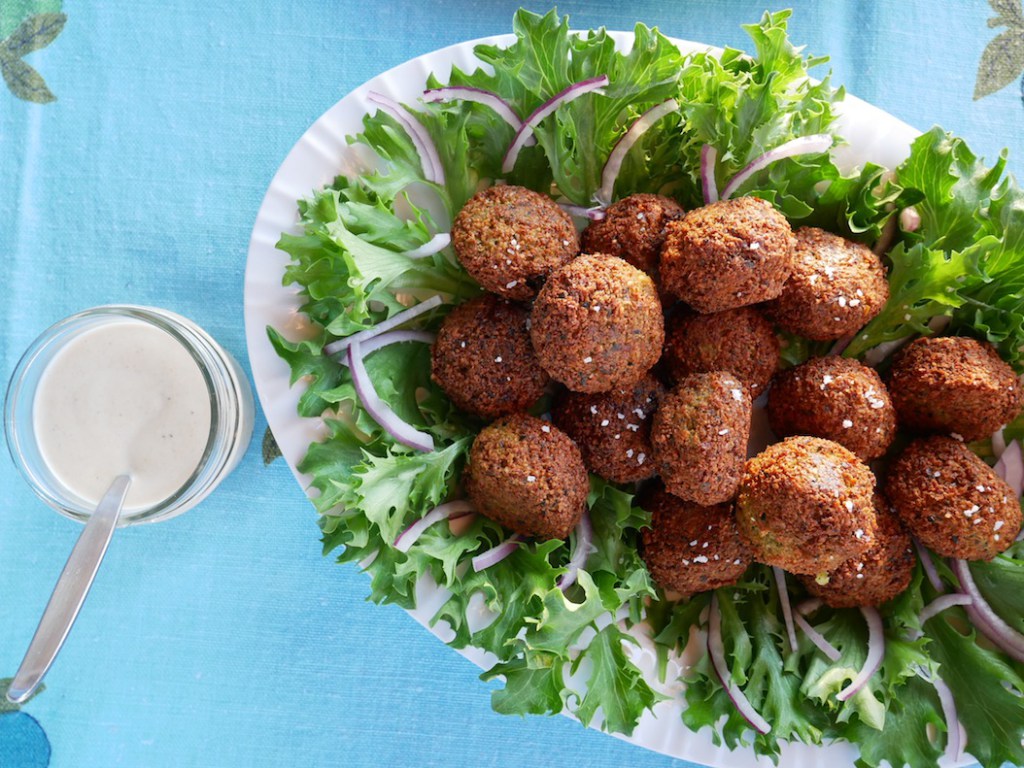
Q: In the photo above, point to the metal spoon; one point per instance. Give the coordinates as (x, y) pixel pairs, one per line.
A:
(69, 594)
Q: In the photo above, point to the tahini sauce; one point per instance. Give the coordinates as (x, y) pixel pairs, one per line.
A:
(123, 398)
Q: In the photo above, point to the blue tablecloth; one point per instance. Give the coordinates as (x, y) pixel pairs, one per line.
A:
(223, 638)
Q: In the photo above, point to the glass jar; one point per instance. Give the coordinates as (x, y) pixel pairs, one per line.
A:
(231, 411)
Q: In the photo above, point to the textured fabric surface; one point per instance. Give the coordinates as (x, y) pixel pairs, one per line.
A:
(223, 638)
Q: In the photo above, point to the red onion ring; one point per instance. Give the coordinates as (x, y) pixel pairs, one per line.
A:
(708, 158)
(787, 610)
(430, 160)
(929, 566)
(389, 338)
(716, 652)
(910, 219)
(840, 346)
(984, 617)
(1010, 467)
(526, 130)
(613, 165)
(939, 604)
(386, 325)
(496, 554)
(998, 443)
(478, 96)
(381, 412)
(594, 213)
(583, 548)
(453, 510)
(956, 736)
(876, 652)
(817, 638)
(433, 245)
(804, 145)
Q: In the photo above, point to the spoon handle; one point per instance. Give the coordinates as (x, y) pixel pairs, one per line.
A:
(69, 594)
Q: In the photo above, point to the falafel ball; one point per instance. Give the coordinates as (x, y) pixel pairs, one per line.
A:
(633, 229)
(878, 575)
(739, 340)
(597, 324)
(837, 398)
(483, 358)
(529, 476)
(953, 385)
(728, 254)
(510, 238)
(690, 548)
(836, 287)
(806, 505)
(699, 436)
(952, 501)
(612, 429)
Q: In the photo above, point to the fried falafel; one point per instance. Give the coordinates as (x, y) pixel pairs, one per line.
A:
(633, 229)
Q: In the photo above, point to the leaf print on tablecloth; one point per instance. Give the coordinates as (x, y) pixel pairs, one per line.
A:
(33, 33)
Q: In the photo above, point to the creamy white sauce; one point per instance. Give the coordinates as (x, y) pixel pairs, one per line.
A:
(123, 398)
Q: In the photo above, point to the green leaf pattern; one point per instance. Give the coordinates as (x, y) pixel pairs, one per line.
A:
(1002, 61)
(35, 32)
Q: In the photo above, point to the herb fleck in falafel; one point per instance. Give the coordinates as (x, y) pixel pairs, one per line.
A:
(953, 385)
(612, 429)
(483, 358)
(740, 341)
(806, 505)
(699, 436)
(875, 577)
(952, 501)
(836, 398)
(529, 476)
(690, 548)
(510, 238)
(728, 254)
(836, 287)
(597, 324)
(633, 229)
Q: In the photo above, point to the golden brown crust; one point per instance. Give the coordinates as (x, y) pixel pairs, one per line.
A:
(510, 238)
(835, 288)
(836, 398)
(529, 476)
(483, 358)
(953, 384)
(728, 254)
(739, 340)
(699, 436)
(597, 324)
(877, 576)
(690, 548)
(806, 505)
(633, 229)
(952, 501)
(612, 429)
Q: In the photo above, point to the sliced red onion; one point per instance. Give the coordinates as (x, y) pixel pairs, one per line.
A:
(495, 555)
(708, 159)
(817, 638)
(910, 219)
(429, 248)
(716, 652)
(929, 566)
(804, 145)
(548, 107)
(840, 346)
(381, 412)
(998, 443)
(1010, 467)
(453, 510)
(787, 610)
(430, 160)
(392, 337)
(984, 617)
(810, 605)
(594, 213)
(584, 536)
(402, 317)
(478, 96)
(613, 165)
(939, 604)
(876, 652)
(956, 736)
(886, 238)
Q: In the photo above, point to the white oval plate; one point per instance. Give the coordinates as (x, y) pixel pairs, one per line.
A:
(321, 154)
